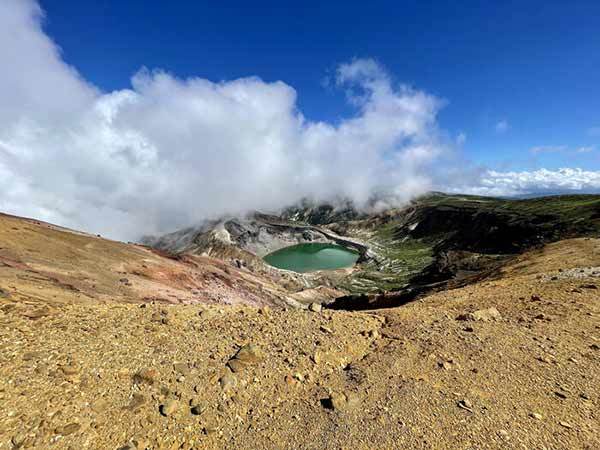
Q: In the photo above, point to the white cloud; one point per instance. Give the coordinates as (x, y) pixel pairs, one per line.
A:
(461, 138)
(540, 181)
(170, 152)
(502, 126)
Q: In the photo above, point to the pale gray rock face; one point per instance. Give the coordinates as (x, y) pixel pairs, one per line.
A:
(258, 234)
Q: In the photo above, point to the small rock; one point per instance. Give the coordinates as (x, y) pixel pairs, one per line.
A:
(465, 404)
(68, 429)
(228, 381)
(145, 376)
(248, 355)
(182, 368)
(169, 407)
(342, 401)
(100, 406)
(445, 365)
(298, 376)
(483, 315)
(565, 424)
(315, 307)
(137, 401)
(69, 371)
(536, 415)
(128, 446)
(375, 334)
(198, 408)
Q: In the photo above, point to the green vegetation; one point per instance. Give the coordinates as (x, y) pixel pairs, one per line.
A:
(582, 206)
(397, 261)
(475, 223)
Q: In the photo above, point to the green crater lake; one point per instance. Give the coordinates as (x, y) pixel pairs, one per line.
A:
(311, 257)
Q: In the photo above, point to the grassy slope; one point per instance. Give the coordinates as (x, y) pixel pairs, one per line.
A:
(402, 256)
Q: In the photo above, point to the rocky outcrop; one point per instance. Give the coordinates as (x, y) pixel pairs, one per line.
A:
(256, 234)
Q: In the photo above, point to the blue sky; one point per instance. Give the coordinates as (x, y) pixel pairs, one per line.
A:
(516, 76)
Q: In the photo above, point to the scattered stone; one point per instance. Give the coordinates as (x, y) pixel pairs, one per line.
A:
(560, 395)
(588, 286)
(483, 315)
(315, 307)
(228, 381)
(318, 356)
(342, 401)
(536, 415)
(68, 429)
(565, 424)
(198, 407)
(445, 365)
(128, 446)
(595, 347)
(137, 401)
(182, 368)
(69, 370)
(169, 407)
(465, 404)
(536, 298)
(374, 334)
(298, 376)
(145, 376)
(248, 355)
(100, 406)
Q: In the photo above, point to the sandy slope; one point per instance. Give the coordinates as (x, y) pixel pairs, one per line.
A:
(113, 374)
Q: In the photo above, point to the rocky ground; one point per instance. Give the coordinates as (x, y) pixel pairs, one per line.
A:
(509, 362)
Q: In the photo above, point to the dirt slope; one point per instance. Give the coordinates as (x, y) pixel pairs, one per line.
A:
(43, 262)
(100, 374)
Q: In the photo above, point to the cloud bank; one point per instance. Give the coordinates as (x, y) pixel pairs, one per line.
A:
(169, 152)
(542, 181)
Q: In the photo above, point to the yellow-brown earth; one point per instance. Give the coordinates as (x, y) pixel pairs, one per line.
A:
(108, 345)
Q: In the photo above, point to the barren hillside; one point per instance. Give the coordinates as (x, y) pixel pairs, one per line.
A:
(91, 361)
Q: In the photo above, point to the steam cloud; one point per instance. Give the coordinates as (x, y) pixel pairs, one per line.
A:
(170, 152)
